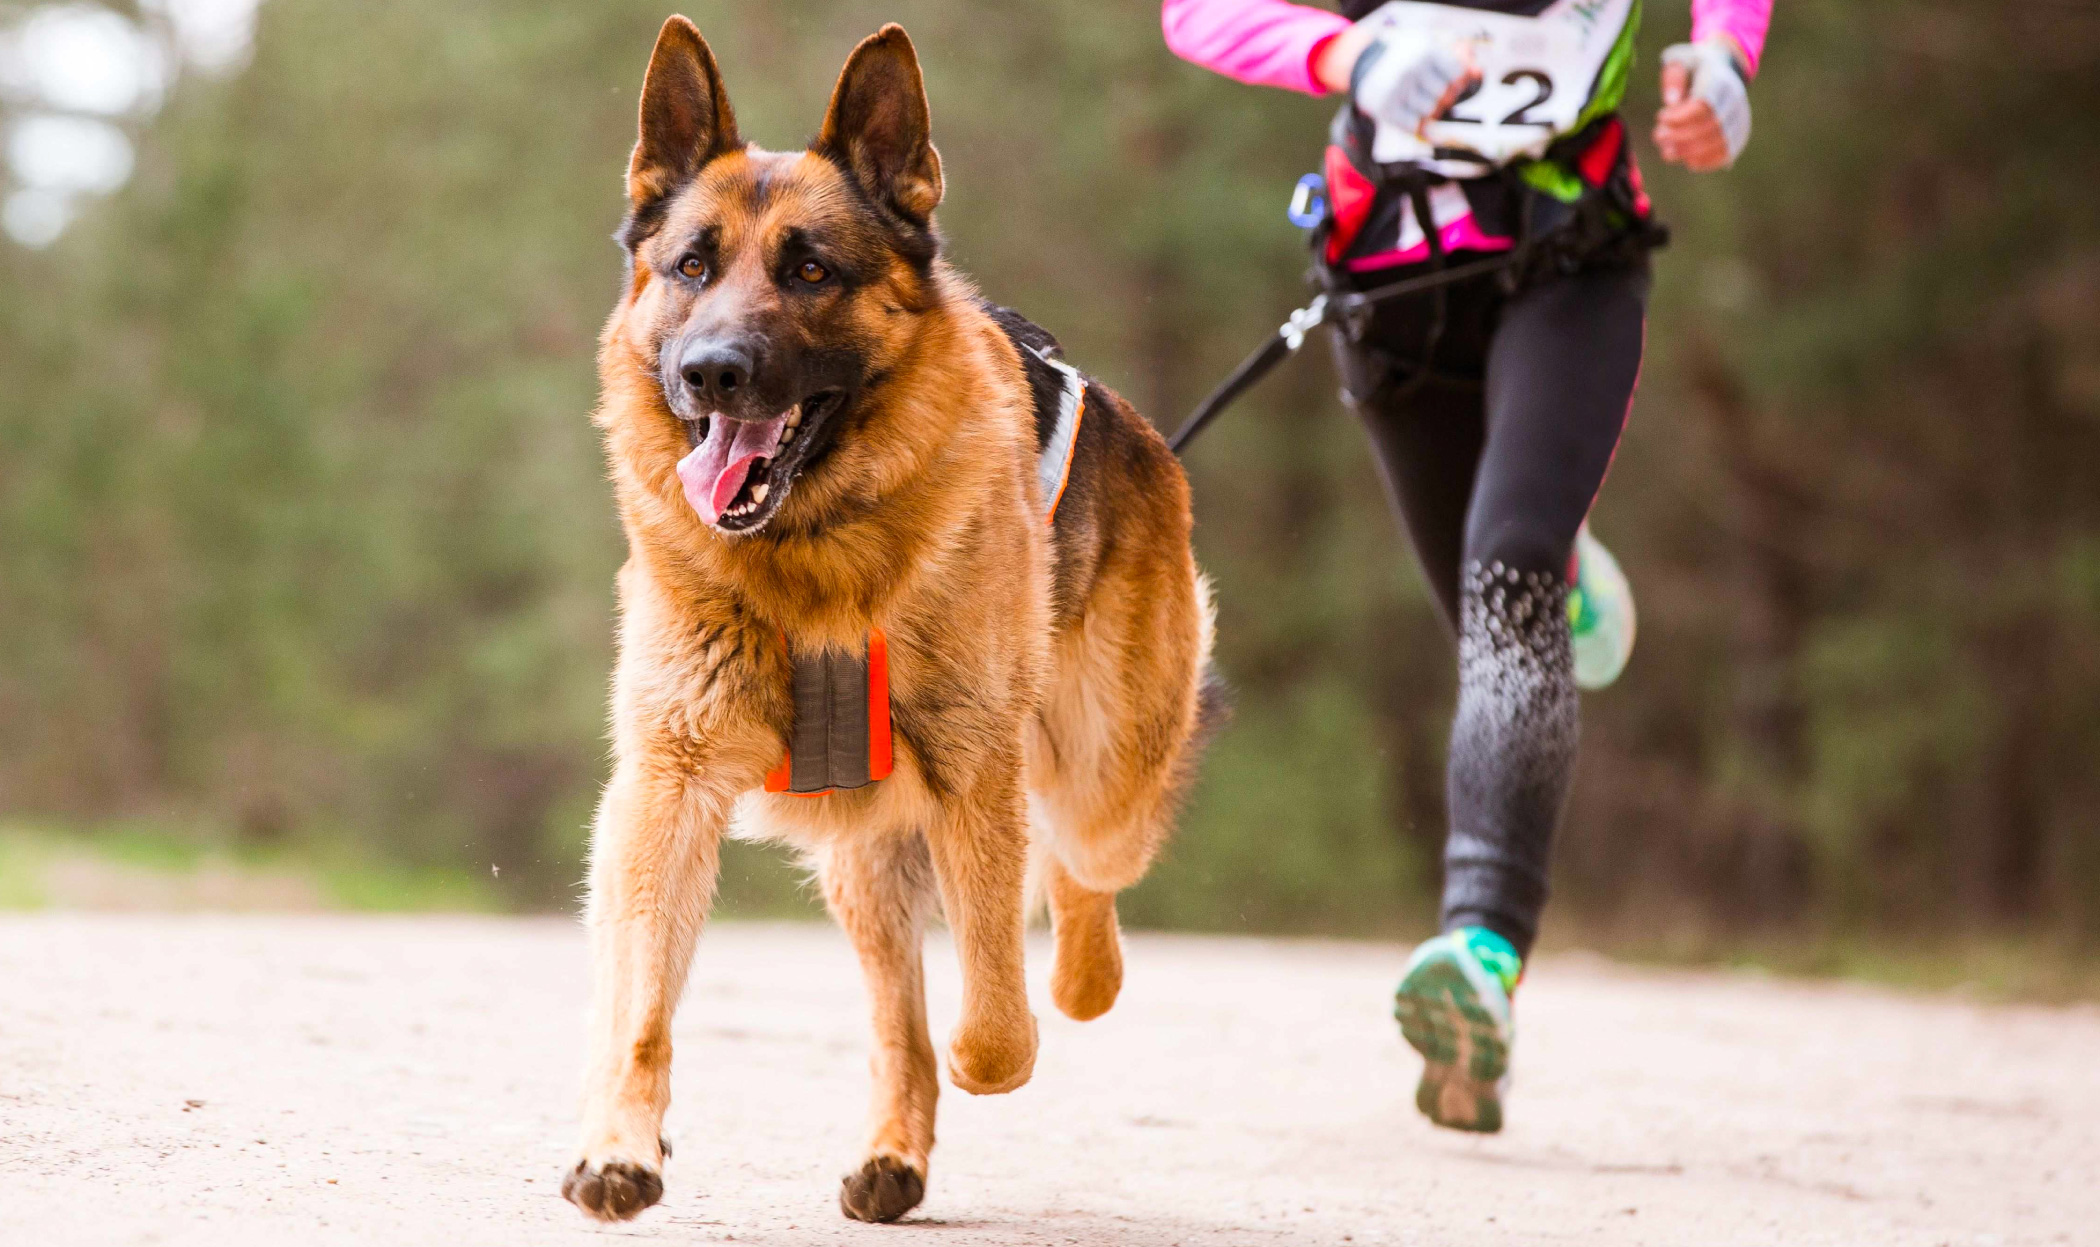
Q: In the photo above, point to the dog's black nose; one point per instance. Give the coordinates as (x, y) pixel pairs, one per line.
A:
(715, 370)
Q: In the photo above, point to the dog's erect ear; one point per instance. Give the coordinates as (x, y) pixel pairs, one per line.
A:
(878, 125)
(686, 118)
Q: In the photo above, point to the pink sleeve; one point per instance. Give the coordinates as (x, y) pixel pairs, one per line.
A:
(1269, 43)
(1744, 21)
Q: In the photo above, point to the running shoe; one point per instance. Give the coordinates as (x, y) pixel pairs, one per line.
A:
(1600, 614)
(1453, 1008)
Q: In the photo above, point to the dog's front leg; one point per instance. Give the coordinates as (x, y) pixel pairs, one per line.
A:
(653, 860)
(880, 888)
(980, 855)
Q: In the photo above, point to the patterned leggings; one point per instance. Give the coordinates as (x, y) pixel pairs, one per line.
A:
(1492, 462)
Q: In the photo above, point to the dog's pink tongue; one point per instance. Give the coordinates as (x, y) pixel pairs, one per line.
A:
(716, 468)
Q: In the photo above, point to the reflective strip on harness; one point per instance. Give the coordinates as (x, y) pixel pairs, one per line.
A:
(841, 734)
(1054, 469)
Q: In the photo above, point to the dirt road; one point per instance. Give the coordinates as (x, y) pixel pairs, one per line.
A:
(284, 1081)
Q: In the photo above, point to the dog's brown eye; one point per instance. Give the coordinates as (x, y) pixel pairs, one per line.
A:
(692, 267)
(812, 272)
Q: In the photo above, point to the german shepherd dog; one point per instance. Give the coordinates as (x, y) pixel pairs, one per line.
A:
(819, 435)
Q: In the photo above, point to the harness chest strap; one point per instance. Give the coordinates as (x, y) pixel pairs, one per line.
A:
(841, 735)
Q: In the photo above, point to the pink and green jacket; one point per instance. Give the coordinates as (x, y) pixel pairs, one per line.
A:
(1276, 43)
(1272, 43)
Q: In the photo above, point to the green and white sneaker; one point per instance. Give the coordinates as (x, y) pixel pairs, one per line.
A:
(1453, 1008)
(1600, 614)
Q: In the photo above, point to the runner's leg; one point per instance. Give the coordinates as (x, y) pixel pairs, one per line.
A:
(1560, 375)
(1427, 449)
(1466, 466)
(1426, 438)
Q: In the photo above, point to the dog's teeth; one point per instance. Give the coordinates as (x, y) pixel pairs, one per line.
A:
(794, 417)
(786, 432)
(759, 495)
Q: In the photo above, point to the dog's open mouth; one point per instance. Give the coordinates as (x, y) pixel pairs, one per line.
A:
(739, 471)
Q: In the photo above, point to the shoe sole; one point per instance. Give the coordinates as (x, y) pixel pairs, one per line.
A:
(1465, 1049)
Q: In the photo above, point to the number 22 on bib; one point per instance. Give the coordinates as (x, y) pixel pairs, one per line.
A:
(1539, 79)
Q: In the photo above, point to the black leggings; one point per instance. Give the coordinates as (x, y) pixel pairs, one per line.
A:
(1491, 462)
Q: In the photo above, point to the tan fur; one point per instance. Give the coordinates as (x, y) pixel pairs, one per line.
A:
(923, 521)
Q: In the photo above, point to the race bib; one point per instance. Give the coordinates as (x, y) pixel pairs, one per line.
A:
(1536, 76)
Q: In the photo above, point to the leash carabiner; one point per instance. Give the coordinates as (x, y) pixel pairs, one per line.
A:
(1308, 207)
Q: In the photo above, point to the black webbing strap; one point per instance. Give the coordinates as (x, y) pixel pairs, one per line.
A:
(1440, 310)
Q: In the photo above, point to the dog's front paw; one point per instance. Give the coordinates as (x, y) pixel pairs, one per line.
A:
(884, 1189)
(613, 1191)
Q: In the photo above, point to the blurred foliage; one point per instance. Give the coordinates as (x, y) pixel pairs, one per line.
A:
(304, 535)
(139, 865)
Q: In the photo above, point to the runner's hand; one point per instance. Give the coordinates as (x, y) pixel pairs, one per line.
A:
(1407, 79)
(1705, 121)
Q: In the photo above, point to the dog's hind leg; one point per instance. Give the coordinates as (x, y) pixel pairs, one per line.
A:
(653, 860)
(880, 888)
(1088, 972)
(1111, 752)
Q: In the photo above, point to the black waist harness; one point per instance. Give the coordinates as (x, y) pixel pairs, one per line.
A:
(1606, 223)
(841, 737)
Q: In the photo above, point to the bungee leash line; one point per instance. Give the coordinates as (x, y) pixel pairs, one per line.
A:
(1350, 308)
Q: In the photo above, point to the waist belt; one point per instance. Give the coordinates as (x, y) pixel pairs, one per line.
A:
(840, 739)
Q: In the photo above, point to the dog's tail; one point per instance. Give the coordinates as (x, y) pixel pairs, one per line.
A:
(1213, 695)
(1213, 712)
(1213, 708)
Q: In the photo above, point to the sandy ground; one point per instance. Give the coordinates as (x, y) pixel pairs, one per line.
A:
(284, 1081)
